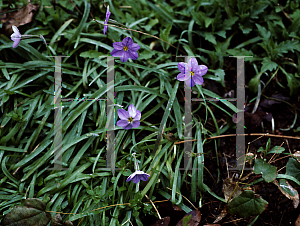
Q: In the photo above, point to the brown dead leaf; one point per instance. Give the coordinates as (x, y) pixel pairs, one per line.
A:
(162, 222)
(177, 208)
(221, 215)
(268, 103)
(195, 219)
(297, 222)
(212, 225)
(18, 18)
(297, 155)
(229, 189)
(295, 198)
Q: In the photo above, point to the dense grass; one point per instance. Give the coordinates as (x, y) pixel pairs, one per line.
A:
(211, 31)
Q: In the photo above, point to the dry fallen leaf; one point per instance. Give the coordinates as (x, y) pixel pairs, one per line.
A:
(295, 198)
(229, 189)
(221, 215)
(194, 220)
(297, 222)
(297, 155)
(177, 208)
(18, 18)
(162, 222)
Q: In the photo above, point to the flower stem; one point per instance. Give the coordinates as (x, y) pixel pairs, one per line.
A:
(136, 165)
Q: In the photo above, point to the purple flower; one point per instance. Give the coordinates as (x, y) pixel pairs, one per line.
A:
(137, 176)
(126, 49)
(191, 70)
(106, 20)
(129, 119)
(16, 36)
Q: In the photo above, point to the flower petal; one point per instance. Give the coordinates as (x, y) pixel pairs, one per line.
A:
(135, 124)
(130, 177)
(129, 126)
(193, 64)
(123, 123)
(16, 31)
(190, 83)
(138, 115)
(132, 111)
(118, 45)
(125, 56)
(107, 13)
(182, 77)
(105, 28)
(144, 177)
(123, 114)
(133, 55)
(134, 47)
(198, 79)
(117, 53)
(16, 43)
(127, 41)
(203, 69)
(136, 179)
(181, 67)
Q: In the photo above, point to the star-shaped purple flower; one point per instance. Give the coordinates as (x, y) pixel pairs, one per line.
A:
(129, 119)
(191, 70)
(16, 36)
(137, 176)
(126, 49)
(106, 19)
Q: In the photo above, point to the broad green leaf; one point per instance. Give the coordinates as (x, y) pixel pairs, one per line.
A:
(164, 35)
(208, 21)
(253, 84)
(277, 150)
(247, 205)
(31, 214)
(210, 37)
(228, 23)
(269, 172)
(268, 64)
(263, 32)
(150, 24)
(285, 46)
(293, 168)
(220, 74)
(293, 82)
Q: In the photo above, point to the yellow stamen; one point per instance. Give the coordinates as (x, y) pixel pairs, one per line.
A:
(130, 120)
(125, 48)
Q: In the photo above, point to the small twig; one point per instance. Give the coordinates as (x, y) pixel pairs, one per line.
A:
(227, 7)
(254, 134)
(75, 6)
(281, 169)
(184, 197)
(153, 206)
(280, 158)
(275, 152)
(287, 15)
(251, 134)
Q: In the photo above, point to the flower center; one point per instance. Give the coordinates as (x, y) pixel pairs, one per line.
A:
(130, 120)
(192, 73)
(125, 48)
